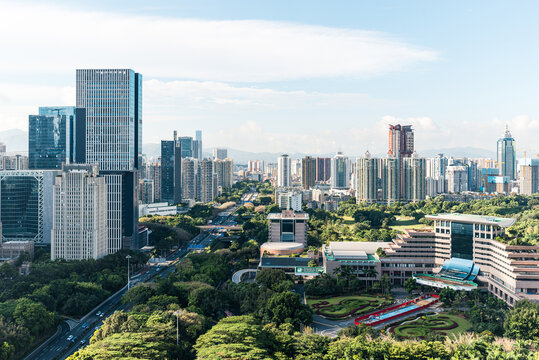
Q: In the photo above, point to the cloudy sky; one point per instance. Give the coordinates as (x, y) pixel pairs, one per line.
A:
(296, 76)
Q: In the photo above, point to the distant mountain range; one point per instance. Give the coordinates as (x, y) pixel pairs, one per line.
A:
(242, 157)
(17, 142)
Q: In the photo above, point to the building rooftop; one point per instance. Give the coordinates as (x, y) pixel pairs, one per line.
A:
(367, 247)
(289, 215)
(282, 246)
(292, 262)
(473, 219)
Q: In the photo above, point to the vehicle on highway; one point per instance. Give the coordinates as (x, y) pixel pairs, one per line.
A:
(69, 337)
(74, 339)
(84, 326)
(82, 342)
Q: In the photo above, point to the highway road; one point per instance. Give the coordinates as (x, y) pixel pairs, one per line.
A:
(70, 340)
(79, 336)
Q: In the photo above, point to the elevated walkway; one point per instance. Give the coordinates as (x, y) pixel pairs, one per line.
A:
(244, 275)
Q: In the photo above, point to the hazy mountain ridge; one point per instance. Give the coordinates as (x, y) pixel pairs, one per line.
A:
(16, 141)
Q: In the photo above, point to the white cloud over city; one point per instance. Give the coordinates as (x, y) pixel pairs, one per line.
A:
(232, 79)
(59, 40)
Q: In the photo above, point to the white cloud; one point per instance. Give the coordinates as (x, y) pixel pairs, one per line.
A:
(52, 39)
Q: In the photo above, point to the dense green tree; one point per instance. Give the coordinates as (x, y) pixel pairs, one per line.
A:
(287, 307)
(522, 321)
(207, 299)
(236, 337)
(274, 279)
(410, 284)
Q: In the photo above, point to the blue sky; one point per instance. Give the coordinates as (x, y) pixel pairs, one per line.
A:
(309, 76)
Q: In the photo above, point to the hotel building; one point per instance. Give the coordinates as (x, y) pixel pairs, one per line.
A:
(461, 251)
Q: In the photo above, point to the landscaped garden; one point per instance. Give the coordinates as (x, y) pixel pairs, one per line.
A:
(427, 325)
(406, 222)
(342, 307)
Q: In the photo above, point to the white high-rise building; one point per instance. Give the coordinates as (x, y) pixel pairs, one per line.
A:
(189, 179)
(284, 176)
(289, 200)
(457, 178)
(340, 172)
(206, 193)
(79, 229)
(224, 171)
(295, 168)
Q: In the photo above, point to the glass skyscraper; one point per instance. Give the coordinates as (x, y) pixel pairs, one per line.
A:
(112, 133)
(507, 156)
(187, 146)
(26, 205)
(50, 137)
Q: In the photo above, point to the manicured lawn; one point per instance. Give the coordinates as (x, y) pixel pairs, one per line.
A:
(342, 307)
(406, 222)
(439, 324)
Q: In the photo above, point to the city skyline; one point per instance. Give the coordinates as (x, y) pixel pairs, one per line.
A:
(274, 97)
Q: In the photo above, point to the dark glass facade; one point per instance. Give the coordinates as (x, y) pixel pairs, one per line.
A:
(462, 241)
(19, 207)
(167, 170)
(50, 141)
(187, 146)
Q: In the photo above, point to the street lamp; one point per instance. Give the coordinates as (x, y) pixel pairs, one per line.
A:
(128, 272)
(177, 313)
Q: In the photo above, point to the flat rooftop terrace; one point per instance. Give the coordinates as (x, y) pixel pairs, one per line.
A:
(473, 219)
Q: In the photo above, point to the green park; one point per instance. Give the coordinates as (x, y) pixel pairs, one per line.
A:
(427, 326)
(343, 307)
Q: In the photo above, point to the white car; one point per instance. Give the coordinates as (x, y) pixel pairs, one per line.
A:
(69, 337)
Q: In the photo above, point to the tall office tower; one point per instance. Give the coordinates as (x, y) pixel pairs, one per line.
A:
(529, 176)
(154, 174)
(189, 179)
(436, 174)
(390, 174)
(26, 205)
(457, 178)
(367, 179)
(224, 169)
(198, 145)
(439, 166)
(474, 176)
(171, 170)
(3, 149)
(187, 146)
(167, 170)
(308, 172)
(109, 104)
(252, 166)
(220, 153)
(295, 168)
(206, 181)
(50, 137)
(79, 227)
(284, 175)
(506, 155)
(401, 140)
(340, 173)
(146, 191)
(323, 169)
(415, 185)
